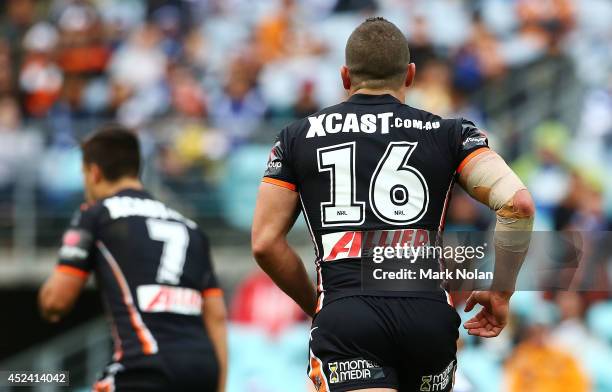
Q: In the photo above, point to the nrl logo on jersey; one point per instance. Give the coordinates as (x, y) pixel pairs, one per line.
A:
(275, 157)
(368, 123)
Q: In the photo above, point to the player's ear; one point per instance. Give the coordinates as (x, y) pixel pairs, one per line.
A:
(410, 72)
(346, 77)
(96, 173)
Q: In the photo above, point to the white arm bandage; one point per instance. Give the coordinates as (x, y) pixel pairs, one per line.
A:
(491, 180)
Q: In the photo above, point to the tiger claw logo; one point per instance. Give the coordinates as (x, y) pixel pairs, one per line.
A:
(354, 369)
(318, 382)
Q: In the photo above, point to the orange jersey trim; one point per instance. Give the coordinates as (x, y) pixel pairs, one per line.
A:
(149, 345)
(317, 376)
(319, 303)
(104, 386)
(472, 155)
(212, 292)
(74, 271)
(143, 335)
(282, 183)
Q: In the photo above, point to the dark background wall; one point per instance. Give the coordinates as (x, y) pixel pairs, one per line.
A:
(21, 326)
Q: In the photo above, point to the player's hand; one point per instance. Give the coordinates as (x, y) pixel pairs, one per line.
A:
(493, 316)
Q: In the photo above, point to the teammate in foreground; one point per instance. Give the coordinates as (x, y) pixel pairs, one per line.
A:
(374, 170)
(153, 268)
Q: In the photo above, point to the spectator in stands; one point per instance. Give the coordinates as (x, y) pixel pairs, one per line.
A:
(168, 20)
(240, 109)
(572, 334)
(40, 78)
(421, 47)
(82, 48)
(187, 95)
(565, 211)
(18, 147)
(273, 33)
(479, 59)
(546, 21)
(538, 365)
(19, 16)
(543, 168)
(432, 90)
(6, 72)
(306, 103)
(140, 63)
(196, 51)
(138, 71)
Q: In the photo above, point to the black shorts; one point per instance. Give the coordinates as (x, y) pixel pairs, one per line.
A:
(178, 371)
(360, 342)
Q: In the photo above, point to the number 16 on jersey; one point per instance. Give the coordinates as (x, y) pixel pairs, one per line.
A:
(398, 192)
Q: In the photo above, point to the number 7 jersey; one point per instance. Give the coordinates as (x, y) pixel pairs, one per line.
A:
(370, 171)
(152, 266)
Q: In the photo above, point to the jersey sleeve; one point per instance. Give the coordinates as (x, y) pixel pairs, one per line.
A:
(279, 170)
(76, 253)
(467, 142)
(210, 285)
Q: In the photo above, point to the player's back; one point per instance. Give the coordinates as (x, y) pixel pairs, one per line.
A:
(370, 171)
(373, 174)
(152, 267)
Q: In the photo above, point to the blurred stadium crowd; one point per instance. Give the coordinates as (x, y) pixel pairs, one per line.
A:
(207, 84)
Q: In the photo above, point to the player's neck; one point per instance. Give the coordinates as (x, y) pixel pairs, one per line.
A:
(113, 188)
(400, 95)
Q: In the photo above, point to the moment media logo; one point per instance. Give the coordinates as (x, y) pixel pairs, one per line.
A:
(440, 381)
(354, 369)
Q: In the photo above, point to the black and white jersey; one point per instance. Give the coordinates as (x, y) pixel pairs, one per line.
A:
(370, 170)
(152, 266)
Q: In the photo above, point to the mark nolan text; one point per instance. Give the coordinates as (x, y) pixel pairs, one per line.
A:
(458, 274)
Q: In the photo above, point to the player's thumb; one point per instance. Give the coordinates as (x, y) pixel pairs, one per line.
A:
(471, 302)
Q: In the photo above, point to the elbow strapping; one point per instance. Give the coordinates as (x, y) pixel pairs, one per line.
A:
(515, 223)
(519, 206)
(523, 204)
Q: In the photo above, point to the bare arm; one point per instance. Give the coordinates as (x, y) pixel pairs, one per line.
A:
(275, 213)
(488, 179)
(59, 293)
(214, 316)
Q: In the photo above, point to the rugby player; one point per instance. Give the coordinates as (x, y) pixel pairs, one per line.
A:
(152, 266)
(374, 167)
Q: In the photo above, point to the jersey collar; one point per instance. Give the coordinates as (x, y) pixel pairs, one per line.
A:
(133, 192)
(369, 99)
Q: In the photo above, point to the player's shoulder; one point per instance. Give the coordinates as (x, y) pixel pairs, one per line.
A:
(458, 125)
(87, 214)
(438, 121)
